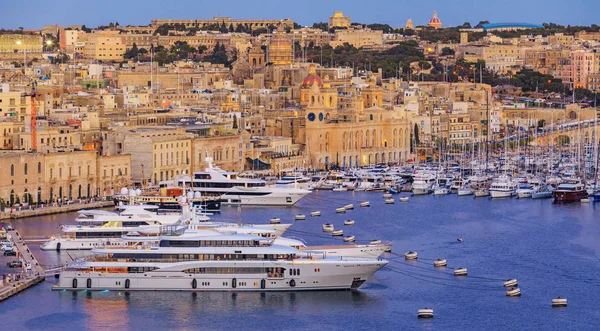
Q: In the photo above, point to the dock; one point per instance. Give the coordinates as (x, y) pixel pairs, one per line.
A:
(30, 277)
(49, 210)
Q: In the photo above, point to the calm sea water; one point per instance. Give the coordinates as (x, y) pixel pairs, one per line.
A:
(553, 250)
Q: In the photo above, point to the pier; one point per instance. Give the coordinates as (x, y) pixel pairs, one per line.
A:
(31, 273)
(49, 210)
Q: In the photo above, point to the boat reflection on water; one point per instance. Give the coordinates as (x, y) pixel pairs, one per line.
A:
(117, 308)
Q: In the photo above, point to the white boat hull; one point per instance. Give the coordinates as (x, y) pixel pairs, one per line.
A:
(61, 244)
(420, 191)
(342, 275)
(524, 194)
(501, 194)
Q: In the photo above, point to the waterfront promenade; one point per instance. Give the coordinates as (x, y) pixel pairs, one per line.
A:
(56, 209)
(31, 273)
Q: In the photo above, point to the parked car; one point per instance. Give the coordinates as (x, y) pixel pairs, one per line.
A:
(15, 264)
(10, 253)
(6, 247)
(9, 228)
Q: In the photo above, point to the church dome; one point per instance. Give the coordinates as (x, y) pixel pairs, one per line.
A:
(435, 22)
(312, 78)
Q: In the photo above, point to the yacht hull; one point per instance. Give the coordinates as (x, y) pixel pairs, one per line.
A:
(568, 196)
(341, 275)
(501, 194)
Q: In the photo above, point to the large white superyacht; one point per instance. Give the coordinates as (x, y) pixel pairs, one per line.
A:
(100, 228)
(202, 261)
(236, 190)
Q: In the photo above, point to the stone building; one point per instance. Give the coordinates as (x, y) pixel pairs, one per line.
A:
(357, 37)
(157, 153)
(48, 177)
(338, 20)
(280, 48)
(345, 133)
(17, 47)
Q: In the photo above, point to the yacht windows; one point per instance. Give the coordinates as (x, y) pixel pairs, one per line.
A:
(225, 270)
(154, 257)
(209, 243)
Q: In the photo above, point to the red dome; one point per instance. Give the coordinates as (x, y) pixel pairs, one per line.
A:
(311, 80)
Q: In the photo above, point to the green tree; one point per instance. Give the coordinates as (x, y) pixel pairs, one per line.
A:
(541, 123)
(235, 121)
(321, 25)
(416, 134)
(447, 51)
(132, 53)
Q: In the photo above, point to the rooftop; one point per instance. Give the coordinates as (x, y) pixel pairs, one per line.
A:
(491, 26)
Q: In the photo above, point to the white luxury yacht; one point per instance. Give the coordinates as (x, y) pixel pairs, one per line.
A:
(202, 261)
(234, 190)
(502, 187)
(423, 183)
(99, 228)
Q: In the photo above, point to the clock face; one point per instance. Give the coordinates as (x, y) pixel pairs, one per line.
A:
(311, 116)
(320, 116)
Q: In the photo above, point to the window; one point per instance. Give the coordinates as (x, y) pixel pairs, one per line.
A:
(12, 169)
(39, 167)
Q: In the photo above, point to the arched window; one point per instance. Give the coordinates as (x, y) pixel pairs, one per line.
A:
(12, 169)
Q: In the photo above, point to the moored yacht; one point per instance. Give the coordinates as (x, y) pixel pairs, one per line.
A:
(233, 190)
(525, 191)
(571, 190)
(502, 187)
(423, 184)
(201, 262)
(99, 229)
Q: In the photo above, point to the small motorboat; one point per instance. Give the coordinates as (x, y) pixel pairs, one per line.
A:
(440, 263)
(403, 199)
(349, 222)
(559, 302)
(411, 255)
(328, 227)
(340, 210)
(365, 204)
(275, 220)
(514, 292)
(460, 272)
(375, 242)
(315, 213)
(442, 190)
(459, 239)
(425, 313)
(387, 195)
(585, 200)
(349, 207)
(482, 193)
(340, 189)
(510, 283)
(349, 238)
(393, 190)
(389, 201)
(465, 190)
(542, 194)
(300, 217)
(337, 233)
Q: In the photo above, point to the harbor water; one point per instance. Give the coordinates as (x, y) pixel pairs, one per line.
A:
(552, 250)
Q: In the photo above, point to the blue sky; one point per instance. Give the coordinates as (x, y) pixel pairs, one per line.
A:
(36, 13)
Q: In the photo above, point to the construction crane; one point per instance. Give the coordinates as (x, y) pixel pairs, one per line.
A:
(33, 124)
